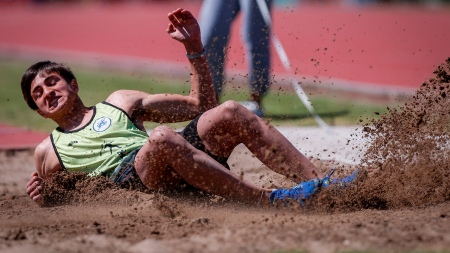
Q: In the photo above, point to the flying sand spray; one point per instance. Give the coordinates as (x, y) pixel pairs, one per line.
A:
(285, 60)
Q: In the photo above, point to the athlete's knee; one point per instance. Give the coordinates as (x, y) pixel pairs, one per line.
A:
(232, 110)
(162, 135)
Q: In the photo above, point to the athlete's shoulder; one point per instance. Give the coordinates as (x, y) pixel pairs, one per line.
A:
(127, 100)
(125, 96)
(43, 146)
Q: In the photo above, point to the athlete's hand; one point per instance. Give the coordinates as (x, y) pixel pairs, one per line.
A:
(34, 187)
(184, 28)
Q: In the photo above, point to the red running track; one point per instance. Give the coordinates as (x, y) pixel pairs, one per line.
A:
(390, 47)
(13, 138)
(387, 46)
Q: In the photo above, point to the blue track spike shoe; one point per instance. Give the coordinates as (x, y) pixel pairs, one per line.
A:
(299, 193)
(342, 182)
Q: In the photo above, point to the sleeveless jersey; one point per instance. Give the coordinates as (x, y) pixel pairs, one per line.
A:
(99, 147)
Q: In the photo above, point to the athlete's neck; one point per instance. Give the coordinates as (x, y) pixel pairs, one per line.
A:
(77, 116)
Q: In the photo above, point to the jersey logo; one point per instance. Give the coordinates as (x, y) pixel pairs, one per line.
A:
(108, 145)
(102, 124)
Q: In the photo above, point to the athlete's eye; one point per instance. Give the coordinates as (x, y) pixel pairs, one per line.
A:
(53, 81)
(37, 93)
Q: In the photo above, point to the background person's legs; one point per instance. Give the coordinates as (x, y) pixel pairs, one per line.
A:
(229, 124)
(256, 35)
(215, 19)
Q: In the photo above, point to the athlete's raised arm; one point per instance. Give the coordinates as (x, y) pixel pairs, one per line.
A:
(142, 106)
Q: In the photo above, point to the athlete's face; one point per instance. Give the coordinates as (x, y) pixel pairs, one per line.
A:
(52, 93)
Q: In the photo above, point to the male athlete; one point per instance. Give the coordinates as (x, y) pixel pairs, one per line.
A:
(109, 138)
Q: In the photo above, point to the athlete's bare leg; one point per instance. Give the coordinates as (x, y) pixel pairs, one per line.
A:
(229, 124)
(167, 158)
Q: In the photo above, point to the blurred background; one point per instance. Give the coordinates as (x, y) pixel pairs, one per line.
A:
(353, 57)
(278, 2)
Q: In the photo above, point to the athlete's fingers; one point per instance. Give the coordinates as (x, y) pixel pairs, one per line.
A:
(34, 177)
(35, 192)
(36, 196)
(38, 199)
(34, 180)
(174, 18)
(187, 15)
(180, 17)
(34, 174)
(177, 13)
(36, 185)
(170, 28)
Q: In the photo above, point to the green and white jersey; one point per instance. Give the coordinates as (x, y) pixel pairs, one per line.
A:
(99, 147)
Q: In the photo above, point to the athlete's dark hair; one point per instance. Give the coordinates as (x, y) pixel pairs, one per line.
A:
(46, 67)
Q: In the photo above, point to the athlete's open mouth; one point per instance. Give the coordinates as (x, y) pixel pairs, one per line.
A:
(53, 103)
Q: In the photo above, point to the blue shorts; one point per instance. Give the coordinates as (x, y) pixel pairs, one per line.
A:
(125, 175)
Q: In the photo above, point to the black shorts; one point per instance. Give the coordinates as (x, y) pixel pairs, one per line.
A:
(126, 176)
(190, 134)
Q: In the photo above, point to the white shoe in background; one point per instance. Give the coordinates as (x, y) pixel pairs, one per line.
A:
(253, 107)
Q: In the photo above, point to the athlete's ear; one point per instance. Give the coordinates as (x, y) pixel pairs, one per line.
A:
(74, 85)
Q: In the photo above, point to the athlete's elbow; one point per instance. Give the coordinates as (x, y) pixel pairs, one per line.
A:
(201, 106)
(205, 108)
(208, 104)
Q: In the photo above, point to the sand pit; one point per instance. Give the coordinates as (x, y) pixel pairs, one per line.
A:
(403, 203)
(124, 221)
